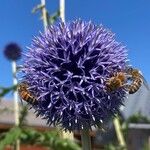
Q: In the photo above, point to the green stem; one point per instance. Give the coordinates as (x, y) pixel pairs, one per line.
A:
(119, 132)
(86, 140)
(44, 14)
(17, 145)
(62, 9)
(16, 104)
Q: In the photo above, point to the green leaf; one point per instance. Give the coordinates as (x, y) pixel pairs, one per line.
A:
(54, 17)
(11, 136)
(37, 8)
(4, 90)
(23, 114)
(50, 139)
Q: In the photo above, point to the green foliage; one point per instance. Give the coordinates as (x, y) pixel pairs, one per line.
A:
(138, 118)
(113, 147)
(49, 139)
(6, 90)
(30, 136)
(22, 116)
(37, 8)
(50, 18)
(10, 137)
(57, 143)
(146, 146)
(54, 17)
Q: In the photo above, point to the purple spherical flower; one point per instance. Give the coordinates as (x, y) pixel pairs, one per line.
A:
(12, 51)
(66, 69)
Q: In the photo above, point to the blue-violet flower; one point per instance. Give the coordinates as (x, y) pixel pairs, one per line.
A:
(66, 68)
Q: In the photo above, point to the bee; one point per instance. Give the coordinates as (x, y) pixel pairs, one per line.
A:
(135, 80)
(25, 94)
(116, 81)
(130, 79)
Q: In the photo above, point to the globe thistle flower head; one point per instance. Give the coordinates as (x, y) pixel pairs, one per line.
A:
(12, 51)
(66, 68)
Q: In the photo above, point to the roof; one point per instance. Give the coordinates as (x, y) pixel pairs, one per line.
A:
(7, 115)
(138, 102)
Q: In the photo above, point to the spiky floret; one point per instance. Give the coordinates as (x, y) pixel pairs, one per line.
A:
(66, 68)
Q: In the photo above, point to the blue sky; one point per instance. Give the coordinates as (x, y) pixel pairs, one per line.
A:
(130, 20)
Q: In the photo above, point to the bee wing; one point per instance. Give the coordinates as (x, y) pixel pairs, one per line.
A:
(145, 83)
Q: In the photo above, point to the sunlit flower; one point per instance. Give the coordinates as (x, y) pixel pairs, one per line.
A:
(12, 51)
(66, 68)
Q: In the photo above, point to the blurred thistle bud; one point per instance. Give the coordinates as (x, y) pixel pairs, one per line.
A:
(12, 51)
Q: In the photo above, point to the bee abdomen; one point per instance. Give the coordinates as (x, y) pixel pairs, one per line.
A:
(31, 100)
(135, 86)
(28, 98)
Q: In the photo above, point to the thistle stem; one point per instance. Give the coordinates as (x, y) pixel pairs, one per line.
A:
(119, 132)
(62, 10)
(44, 14)
(16, 105)
(85, 138)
